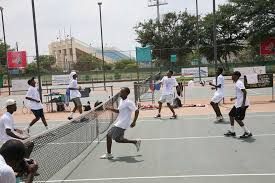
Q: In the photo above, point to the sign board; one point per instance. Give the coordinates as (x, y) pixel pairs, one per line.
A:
(144, 54)
(264, 81)
(60, 80)
(195, 71)
(250, 70)
(17, 59)
(268, 47)
(173, 58)
(19, 86)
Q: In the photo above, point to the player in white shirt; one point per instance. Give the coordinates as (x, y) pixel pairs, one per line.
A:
(8, 130)
(123, 122)
(74, 94)
(238, 111)
(35, 104)
(219, 94)
(168, 84)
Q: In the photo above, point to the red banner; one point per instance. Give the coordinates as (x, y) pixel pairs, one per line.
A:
(268, 47)
(17, 59)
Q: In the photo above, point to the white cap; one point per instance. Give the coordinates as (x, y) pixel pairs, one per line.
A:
(10, 102)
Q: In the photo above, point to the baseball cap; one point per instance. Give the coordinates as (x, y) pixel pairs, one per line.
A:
(10, 102)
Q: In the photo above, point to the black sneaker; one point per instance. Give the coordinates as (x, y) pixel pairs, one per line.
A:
(230, 134)
(158, 116)
(246, 135)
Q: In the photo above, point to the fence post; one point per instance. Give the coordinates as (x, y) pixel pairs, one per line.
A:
(136, 91)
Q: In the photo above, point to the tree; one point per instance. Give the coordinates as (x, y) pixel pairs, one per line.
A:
(3, 59)
(175, 34)
(87, 62)
(259, 18)
(45, 62)
(231, 34)
(125, 65)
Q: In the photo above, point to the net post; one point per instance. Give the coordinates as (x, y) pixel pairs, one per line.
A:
(184, 89)
(272, 100)
(97, 130)
(112, 91)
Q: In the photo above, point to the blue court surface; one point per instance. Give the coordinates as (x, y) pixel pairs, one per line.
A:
(190, 149)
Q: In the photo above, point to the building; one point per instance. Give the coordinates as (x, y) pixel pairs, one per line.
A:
(69, 50)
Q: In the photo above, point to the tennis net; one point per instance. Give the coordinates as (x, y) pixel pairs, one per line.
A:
(55, 148)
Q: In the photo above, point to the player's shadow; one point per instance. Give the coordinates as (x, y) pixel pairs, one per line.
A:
(248, 140)
(222, 122)
(127, 159)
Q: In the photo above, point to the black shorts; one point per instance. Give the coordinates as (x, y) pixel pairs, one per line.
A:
(77, 102)
(38, 113)
(238, 113)
(116, 133)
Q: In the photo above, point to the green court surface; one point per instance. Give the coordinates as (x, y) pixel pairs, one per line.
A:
(189, 149)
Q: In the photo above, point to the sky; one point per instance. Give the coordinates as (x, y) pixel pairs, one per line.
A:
(55, 17)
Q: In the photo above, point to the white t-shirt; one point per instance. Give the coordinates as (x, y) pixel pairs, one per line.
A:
(126, 107)
(6, 122)
(239, 94)
(168, 85)
(74, 93)
(7, 174)
(34, 94)
(220, 81)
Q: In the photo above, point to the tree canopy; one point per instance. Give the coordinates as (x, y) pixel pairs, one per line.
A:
(241, 26)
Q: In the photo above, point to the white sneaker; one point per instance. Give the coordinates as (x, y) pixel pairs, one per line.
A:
(220, 118)
(106, 156)
(138, 145)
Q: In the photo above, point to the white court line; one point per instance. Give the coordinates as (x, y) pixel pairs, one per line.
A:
(207, 117)
(252, 91)
(160, 139)
(162, 177)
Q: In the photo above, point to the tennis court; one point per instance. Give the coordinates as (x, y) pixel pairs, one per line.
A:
(189, 149)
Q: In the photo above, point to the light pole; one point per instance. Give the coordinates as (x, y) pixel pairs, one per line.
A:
(198, 42)
(102, 48)
(5, 44)
(215, 36)
(36, 50)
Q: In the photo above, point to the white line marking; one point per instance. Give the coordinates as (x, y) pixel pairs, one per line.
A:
(252, 91)
(159, 139)
(206, 117)
(161, 177)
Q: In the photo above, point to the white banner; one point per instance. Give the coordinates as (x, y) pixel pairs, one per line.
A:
(60, 80)
(251, 70)
(19, 86)
(195, 71)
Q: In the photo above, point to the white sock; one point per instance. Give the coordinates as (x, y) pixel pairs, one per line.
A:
(232, 129)
(245, 129)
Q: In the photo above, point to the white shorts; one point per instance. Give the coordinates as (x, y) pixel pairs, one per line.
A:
(217, 98)
(166, 98)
